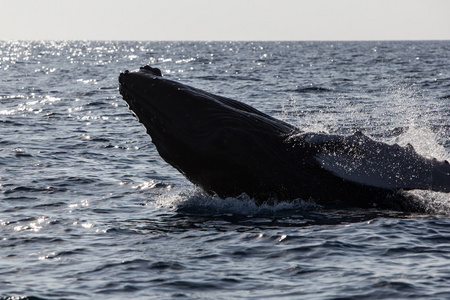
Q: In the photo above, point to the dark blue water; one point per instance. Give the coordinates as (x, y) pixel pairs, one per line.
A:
(89, 210)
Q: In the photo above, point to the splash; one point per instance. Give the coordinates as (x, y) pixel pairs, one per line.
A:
(398, 114)
(197, 202)
(424, 140)
(420, 121)
(435, 203)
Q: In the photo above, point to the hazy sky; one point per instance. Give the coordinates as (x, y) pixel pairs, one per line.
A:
(225, 19)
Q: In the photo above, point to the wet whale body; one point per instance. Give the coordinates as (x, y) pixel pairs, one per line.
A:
(229, 148)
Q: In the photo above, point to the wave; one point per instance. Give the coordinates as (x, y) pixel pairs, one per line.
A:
(195, 202)
(310, 89)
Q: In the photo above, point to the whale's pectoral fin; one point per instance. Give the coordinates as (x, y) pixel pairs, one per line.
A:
(359, 159)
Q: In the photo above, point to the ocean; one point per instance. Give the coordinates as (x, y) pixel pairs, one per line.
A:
(89, 210)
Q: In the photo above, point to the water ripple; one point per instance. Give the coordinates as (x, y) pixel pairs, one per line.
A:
(89, 206)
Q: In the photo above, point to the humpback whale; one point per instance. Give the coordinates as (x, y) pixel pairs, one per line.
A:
(229, 148)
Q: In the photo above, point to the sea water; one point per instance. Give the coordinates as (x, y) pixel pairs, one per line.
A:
(88, 209)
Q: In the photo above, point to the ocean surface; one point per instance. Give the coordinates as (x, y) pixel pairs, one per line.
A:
(89, 210)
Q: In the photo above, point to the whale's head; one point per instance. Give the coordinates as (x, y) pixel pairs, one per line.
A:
(203, 135)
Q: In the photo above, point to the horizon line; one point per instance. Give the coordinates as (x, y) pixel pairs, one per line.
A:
(221, 40)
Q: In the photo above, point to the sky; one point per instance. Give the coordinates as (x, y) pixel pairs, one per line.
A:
(210, 20)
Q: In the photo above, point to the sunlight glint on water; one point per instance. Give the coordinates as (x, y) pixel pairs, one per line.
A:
(89, 209)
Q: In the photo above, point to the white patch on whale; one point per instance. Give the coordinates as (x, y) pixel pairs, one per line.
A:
(378, 171)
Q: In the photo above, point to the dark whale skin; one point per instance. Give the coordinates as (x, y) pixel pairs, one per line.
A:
(228, 148)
